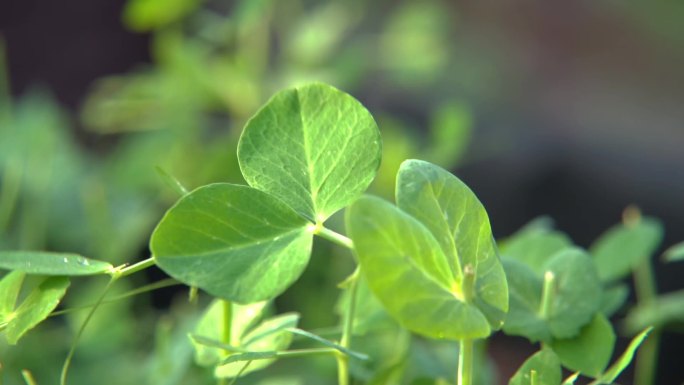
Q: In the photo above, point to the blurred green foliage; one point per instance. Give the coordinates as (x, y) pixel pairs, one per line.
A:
(213, 64)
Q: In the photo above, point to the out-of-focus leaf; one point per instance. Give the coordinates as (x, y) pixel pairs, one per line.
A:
(674, 253)
(546, 368)
(49, 263)
(36, 307)
(450, 131)
(590, 351)
(613, 299)
(666, 308)
(147, 15)
(10, 286)
(576, 296)
(623, 247)
(534, 248)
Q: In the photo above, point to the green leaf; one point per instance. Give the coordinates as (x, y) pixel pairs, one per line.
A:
(211, 326)
(623, 247)
(570, 380)
(268, 337)
(546, 368)
(408, 272)
(314, 147)
(49, 263)
(575, 296)
(450, 131)
(146, 15)
(590, 351)
(233, 241)
(614, 371)
(665, 309)
(38, 305)
(459, 222)
(674, 253)
(613, 299)
(534, 248)
(10, 285)
(525, 290)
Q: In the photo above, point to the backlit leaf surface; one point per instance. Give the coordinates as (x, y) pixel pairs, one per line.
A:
(315, 147)
(41, 301)
(459, 223)
(233, 241)
(409, 273)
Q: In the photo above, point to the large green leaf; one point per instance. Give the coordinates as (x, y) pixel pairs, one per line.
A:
(49, 263)
(575, 296)
(40, 302)
(590, 351)
(314, 147)
(233, 241)
(624, 246)
(409, 273)
(543, 366)
(459, 223)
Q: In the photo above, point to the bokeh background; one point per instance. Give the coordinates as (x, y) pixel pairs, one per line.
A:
(572, 110)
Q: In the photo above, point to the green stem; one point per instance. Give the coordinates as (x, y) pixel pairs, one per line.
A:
(547, 294)
(11, 184)
(533, 377)
(347, 330)
(332, 236)
(72, 350)
(143, 289)
(465, 363)
(227, 322)
(647, 356)
(123, 271)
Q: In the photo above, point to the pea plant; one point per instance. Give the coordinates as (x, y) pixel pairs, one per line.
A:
(428, 260)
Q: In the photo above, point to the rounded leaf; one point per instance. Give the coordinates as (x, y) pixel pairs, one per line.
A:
(590, 351)
(233, 241)
(459, 223)
(314, 147)
(409, 273)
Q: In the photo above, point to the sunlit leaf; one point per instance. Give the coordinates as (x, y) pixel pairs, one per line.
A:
(48, 263)
(621, 364)
(314, 147)
(233, 241)
(623, 247)
(459, 223)
(409, 273)
(10, 286)
(546, 368)
(40, 302)
(590, 351)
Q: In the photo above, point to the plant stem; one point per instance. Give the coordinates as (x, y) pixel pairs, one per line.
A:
(547, 294)
(333, 236)
(347, 330)
(647, 356)
(227, 322)
(123, 271)
(11, 184)
(28, 377)
(72, 350)
(465, 362)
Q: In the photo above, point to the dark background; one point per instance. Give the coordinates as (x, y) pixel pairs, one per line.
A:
(580, 115)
